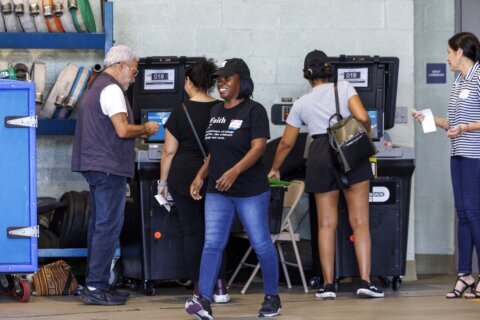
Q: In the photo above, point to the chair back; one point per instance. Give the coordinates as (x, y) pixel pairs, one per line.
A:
(291, 198)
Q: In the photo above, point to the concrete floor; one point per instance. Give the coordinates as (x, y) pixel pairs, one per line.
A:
(421, 299)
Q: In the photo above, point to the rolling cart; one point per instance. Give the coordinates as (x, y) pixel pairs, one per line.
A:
(18, 212)
(389, 215)
(151, 239)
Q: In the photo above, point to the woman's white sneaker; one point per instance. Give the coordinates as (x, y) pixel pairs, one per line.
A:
(326, 292)
(368, 290)
(221, 292)
(221, 298)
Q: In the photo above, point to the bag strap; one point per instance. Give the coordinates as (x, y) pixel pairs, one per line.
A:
(341, 179)
(194, 131)
(337, 113)
(337, 108)
(66, 289)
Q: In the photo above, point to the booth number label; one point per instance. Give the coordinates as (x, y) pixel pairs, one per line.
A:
(163, 79)
(358, 77)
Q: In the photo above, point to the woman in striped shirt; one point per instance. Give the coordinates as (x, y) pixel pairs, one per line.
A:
(463, 128)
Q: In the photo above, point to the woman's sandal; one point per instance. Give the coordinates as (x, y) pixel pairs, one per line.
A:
(455, 294)
(475, 294)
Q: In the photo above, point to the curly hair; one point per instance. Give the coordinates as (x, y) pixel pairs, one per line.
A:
(200, 73)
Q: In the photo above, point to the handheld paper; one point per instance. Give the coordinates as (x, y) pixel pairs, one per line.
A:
(428, 123)
(161, 200)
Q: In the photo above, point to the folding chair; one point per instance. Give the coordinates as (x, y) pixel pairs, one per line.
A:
(291, 199)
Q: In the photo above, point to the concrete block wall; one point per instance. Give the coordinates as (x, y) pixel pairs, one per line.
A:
(273, 36)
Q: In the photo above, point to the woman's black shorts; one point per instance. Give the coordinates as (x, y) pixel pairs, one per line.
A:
(322, 176)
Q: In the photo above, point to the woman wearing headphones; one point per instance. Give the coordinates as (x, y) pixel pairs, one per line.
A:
(314, 109)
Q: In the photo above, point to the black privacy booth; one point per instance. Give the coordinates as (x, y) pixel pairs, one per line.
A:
(375, 79)
(152, 240)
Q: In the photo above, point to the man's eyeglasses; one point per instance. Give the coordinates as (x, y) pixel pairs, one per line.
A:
(134, 71)
(111, 65)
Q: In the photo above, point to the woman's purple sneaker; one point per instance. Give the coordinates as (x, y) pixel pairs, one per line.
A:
(199, 307)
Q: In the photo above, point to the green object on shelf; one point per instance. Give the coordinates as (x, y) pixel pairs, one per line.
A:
(276, 182)
(8, 74)
(87, 15)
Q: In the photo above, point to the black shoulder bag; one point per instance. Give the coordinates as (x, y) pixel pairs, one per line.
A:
(349, 139)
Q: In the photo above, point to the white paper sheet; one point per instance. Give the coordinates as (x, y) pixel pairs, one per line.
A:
(161, 200)
(428, 123)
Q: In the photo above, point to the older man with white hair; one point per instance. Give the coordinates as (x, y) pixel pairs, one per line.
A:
(103, 151)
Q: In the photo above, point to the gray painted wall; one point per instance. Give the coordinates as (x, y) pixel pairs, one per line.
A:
(434, 218)
(273, 36)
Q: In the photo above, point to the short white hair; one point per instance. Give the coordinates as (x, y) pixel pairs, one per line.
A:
(118, 54)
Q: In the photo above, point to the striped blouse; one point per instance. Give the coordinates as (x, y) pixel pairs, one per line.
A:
(464, 107)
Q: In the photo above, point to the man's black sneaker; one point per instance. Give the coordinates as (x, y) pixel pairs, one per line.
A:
(100, 297)
(117, 293)
(271, 306)
(368, 290)
(326, 292)
(199, 307)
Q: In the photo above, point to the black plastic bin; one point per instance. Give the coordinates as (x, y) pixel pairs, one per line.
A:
(277, 194)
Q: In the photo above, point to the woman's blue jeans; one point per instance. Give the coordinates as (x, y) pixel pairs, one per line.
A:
(253, 213)
(466, 190)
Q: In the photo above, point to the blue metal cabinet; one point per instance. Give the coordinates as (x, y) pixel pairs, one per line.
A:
(18, 193)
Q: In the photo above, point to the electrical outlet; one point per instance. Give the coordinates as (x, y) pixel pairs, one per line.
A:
(401, 115)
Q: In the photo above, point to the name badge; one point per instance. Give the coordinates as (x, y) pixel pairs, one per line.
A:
(464, 94)
(235, 124)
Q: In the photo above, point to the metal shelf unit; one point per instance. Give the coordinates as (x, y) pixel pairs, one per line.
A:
(64, 41)
(70, 40)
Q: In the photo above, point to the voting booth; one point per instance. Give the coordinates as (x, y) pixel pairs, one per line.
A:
(152, 238)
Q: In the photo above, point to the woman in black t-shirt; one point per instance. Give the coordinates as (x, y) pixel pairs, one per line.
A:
(181, 160)
(237, 185)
